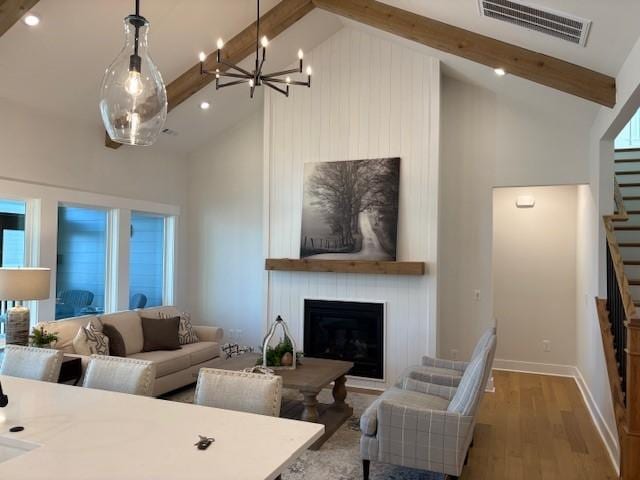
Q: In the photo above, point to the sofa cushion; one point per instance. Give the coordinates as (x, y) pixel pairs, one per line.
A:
(202, 351)
(402, 398)
(67, 330)
(91, 341)
(166, 361)
(130, 327)
(116, 342)
(160, 334)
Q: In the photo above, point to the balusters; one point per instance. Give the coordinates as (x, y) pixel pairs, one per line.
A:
(617, 317)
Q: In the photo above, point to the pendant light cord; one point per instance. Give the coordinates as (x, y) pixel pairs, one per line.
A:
(257, 33)
(137, 27)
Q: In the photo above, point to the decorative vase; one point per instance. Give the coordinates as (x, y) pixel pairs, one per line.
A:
(287, 360)
(279, 323)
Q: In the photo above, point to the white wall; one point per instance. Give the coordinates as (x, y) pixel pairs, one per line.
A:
(370, 98)
(534, 274)
(225, 233)
(41, 149)
(491, 140)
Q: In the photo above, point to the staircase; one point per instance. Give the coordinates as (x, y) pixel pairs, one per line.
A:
(619, 314)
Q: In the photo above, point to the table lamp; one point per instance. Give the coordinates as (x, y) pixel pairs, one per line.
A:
(19, 285)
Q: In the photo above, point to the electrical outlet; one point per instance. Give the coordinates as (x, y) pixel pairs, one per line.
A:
(546, 344)
(454, 354)
(476, 295)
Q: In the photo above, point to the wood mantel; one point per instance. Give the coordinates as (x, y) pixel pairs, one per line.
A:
(346, 266)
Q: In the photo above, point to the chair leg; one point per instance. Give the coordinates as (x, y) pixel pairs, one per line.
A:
(365, 469)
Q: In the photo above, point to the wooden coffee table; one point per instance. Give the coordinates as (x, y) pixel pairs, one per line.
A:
(309, 378)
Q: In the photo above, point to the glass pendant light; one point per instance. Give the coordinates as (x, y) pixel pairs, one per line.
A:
(133, 98)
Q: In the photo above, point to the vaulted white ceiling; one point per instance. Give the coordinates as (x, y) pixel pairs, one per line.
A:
(58, 66)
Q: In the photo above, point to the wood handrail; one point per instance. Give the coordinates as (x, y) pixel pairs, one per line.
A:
(623, 282)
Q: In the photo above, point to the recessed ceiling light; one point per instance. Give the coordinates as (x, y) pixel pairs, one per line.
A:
(31, 20)
(205, 105)
(500, 72)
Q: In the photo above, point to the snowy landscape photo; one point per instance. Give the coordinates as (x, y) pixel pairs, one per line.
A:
(350, 210)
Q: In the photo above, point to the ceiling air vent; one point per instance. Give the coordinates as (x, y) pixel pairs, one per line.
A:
(557, 24)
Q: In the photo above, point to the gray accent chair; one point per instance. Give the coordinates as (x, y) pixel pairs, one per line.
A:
(423, 425)
(447, 372)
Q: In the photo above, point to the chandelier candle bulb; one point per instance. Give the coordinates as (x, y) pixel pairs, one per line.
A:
(264, 41)
(202, 57)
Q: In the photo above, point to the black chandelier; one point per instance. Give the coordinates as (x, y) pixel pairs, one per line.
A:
(256, 78)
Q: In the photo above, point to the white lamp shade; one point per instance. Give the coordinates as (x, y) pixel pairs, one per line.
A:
(24, 283)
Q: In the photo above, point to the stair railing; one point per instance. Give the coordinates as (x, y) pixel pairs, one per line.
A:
(620, 328)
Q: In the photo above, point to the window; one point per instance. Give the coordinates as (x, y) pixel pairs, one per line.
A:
(12, 233)
(12, 241)
(146, 260)
(629, 137)
(81, 272)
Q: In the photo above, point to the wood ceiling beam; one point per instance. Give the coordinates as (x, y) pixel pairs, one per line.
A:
(272, 24)
(537, 67)
(13, 10)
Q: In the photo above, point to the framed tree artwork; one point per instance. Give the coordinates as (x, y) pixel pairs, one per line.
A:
(350, 210)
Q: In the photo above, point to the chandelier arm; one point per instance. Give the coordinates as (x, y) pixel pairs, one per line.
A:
(235, 67)
(259, 70)
(279, 74)
(279, 80)
(232, 75)
(228, 84)
(277, 89)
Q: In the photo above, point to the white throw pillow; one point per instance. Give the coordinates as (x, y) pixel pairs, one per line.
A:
(186, 334)
(91, 341)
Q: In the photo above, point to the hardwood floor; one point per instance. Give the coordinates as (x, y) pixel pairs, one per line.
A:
(536, 427)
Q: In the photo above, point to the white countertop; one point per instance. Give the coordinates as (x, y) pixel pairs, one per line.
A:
(90, 434)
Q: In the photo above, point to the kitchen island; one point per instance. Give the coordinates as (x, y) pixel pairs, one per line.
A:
(73, 433)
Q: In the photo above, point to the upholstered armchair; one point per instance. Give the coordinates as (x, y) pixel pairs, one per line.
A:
(426, 426)
(447, 372)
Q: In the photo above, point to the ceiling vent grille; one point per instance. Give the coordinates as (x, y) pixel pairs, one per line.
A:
(559, 25)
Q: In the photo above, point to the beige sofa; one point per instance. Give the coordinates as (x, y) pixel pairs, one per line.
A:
(174, 369)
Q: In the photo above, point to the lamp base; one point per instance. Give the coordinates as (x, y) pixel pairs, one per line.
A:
(17, 326)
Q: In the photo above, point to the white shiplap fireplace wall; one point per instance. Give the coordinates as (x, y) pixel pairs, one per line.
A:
(370, 98)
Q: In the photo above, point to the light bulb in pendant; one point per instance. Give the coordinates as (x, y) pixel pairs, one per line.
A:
(133, 84)
(264, 42)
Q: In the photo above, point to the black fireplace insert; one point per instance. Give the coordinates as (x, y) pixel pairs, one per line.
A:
(352, 331)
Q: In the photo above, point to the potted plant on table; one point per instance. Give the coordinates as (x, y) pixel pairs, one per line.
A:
(40, 338)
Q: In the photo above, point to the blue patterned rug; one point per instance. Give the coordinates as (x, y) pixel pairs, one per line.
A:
(339, 457)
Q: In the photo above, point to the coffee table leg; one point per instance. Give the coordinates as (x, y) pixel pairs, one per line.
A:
(339, 391)
(310, 402)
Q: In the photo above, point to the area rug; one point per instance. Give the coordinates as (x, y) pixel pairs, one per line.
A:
(339, 457)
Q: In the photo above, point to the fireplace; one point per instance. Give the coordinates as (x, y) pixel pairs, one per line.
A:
(352, 331)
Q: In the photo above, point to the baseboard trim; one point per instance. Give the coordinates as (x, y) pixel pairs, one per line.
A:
(608, 437)
(532, 367)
